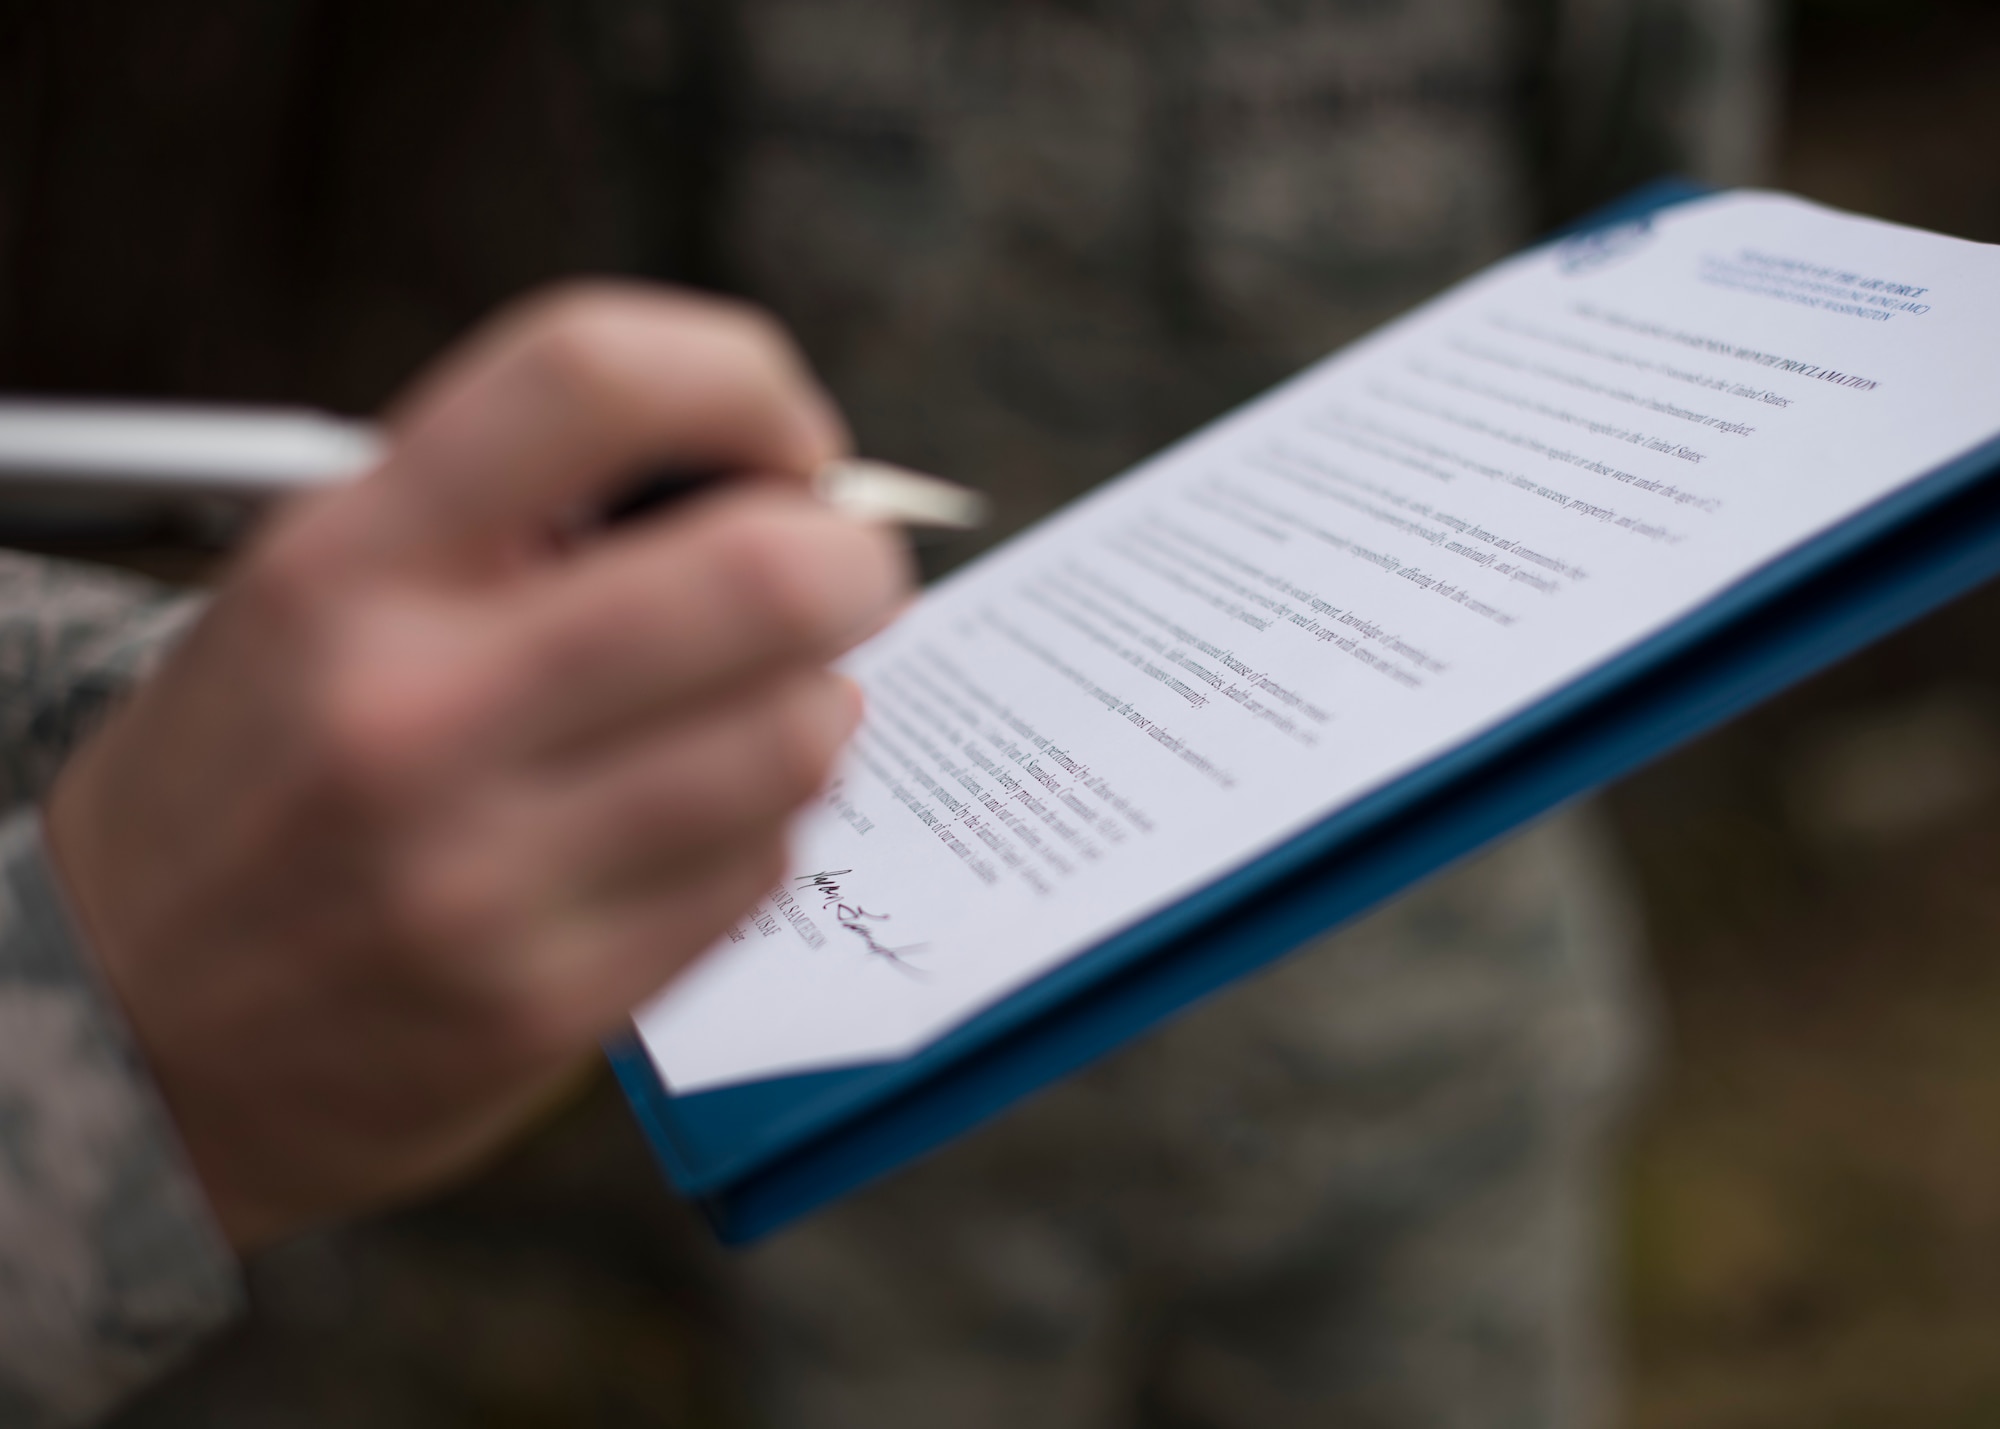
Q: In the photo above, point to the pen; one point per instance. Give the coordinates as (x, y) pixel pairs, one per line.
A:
(102, 455)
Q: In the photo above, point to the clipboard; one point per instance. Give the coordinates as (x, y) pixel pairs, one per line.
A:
(757, 1156)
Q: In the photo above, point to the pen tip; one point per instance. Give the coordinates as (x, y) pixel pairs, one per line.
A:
(878, 491)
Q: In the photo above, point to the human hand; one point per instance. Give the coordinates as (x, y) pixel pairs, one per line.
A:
(430, 799)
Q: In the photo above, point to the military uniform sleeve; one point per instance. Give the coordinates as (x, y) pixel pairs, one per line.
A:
(1640, 88)
(111, 1266)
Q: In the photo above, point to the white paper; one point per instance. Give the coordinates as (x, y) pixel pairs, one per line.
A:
(1391, 553)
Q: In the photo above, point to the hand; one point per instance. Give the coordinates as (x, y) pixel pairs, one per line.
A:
(431, 799)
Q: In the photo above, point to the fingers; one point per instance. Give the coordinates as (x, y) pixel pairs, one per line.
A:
(584, 980)
(645, 861)
(570, 397)
(639, 946)
(736, 589)
(740, 769)
(688, 829)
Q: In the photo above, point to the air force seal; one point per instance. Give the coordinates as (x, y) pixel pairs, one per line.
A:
(1601, 248)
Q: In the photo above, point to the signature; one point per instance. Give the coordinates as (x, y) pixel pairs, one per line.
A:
(823, 884)
(858, 920)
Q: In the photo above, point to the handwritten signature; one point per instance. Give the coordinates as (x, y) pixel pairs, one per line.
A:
(856, 919)
(823, 884)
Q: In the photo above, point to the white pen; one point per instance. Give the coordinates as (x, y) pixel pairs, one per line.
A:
(99, 455)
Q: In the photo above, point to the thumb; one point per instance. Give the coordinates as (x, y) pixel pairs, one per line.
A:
(568, 398)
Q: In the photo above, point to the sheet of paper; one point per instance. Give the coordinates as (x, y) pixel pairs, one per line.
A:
(1398, 549)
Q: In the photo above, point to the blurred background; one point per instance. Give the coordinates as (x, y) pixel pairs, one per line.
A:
(1813, 1229)
(1806, 1221)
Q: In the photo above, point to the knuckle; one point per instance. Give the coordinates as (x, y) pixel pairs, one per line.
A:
(440, 920)
(537, 1018)
(580, 335)
(808, 579)
(371, 741)
(781, 571)
(572, 343)
(563, 653)
(572, 294)
(881, 563)
(286, 583)
(804, 748)
(758, 331)
(654, 811)
(360, 757)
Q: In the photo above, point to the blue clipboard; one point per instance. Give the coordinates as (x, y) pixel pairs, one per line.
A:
(757, 1156)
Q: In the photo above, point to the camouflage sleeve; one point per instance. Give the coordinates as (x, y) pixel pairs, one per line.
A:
(110, 1266)
(1640, 88)
(73, 639)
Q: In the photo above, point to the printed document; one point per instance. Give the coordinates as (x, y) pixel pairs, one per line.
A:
(1399, 549)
